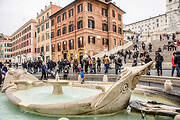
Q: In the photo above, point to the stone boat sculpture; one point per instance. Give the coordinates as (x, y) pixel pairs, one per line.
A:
(109, 101)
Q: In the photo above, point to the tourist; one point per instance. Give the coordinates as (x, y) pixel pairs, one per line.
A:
(118, 64)
(130, 53)
(75, 66)
(147, 60)
(143, 46)
(43, 70)
(99, 64)
(1, 80)
(173, 65)
(150, 47)
(82, 76)
(106, 64)
(142, 58)
(159, 59)
(177, 62)
(90, 64)
(65, 71)
(94, 65)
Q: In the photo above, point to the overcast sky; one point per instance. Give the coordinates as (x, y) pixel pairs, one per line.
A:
(14, 13)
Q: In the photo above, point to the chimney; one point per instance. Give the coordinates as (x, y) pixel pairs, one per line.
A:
(50, 3)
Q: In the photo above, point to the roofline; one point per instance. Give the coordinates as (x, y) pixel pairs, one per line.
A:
(76, 0)
(145, 19)
(30, 21)
(117, 7)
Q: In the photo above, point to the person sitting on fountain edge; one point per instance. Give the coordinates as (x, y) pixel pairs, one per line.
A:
(66, 71)
(82, 76)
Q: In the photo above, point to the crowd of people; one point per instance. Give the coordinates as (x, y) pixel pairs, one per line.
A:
(140, 53)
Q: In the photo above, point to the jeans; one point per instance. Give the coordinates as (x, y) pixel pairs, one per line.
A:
(178, 70)
(173, 69)
(106, 66)
(159, 69)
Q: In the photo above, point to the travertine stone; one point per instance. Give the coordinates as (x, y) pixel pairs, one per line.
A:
(115, 98)
(177, 117)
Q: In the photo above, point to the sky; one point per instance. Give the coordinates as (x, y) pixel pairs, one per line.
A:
(15, 13)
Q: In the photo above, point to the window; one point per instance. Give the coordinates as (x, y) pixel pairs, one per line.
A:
(71, 44)
(58, 19)
(119, 30)
(39, 39)
(104, 12)
(59, 46)
(53, 48)
(52, 22)
(64, 30)
(47, 36)
(47, 48)
(52, 34)
(80, 42)
(113, 13)
(38, 21)
(91, 24)
(42, 37)
(42, 49)
(93, 40)
(89, 7)
(42, 27)
(58, 32)
(80, 8)
(80, 24)
(105, 27)
(114, 28)
(42, 18)
(38, 30)
(114, 41)
(47, 14)
(89, 39)
(64, 16)
(119, 17)
(71, 27)
(47, 25)
(64, 45)
(70, 12)
(105, 41)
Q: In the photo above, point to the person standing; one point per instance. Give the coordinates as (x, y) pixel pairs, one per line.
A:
(43, 70)
(90, 64)
(99, 64)
(147, 60)
(106, 64)
(159, 59)
(177, 62)
(94, 65)
(173, 65)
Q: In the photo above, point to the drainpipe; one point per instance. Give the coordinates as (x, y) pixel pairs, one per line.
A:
(75, 28)
(108, 21)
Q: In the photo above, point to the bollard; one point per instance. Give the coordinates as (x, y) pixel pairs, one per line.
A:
(105, 78)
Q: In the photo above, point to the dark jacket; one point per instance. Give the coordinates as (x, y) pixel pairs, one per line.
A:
(177, 58)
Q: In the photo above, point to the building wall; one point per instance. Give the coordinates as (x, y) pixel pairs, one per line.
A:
(23, 42)
(153, 27)
(94, 33)
(5, 49)
(43, 38)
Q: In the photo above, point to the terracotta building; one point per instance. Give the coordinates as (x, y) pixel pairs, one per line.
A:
(43, 31)
(85, 26)
(24, 42)
(5, 48)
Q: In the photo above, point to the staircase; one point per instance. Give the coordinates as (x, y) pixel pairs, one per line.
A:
(114, 50)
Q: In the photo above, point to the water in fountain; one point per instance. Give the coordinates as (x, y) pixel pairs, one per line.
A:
(44, 95)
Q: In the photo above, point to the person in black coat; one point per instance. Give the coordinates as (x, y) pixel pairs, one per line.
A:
(177, 62)
(159, 59)
(147, 60)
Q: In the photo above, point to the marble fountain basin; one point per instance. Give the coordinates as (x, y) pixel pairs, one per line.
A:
(68, 98)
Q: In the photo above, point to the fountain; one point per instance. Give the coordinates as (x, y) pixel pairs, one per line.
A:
(77, 100)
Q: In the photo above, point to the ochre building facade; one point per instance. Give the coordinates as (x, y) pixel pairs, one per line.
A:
(85, 26)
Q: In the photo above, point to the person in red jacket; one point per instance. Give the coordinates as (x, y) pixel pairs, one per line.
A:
(173, 64)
